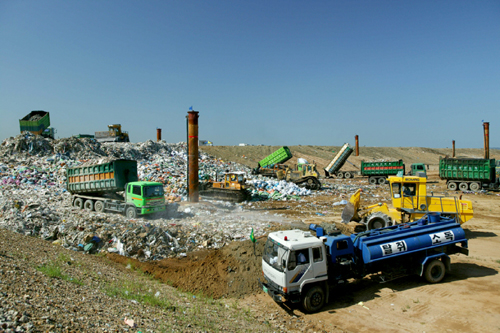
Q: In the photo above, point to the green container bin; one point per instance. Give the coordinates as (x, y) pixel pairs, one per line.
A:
(279, 156)
(101, 178)
(470, 169)
(35, 122)
(388, 168)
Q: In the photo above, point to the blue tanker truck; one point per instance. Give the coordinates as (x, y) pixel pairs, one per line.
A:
(301, 268)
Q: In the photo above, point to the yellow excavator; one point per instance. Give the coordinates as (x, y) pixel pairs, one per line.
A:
(409, 203)
(113, 134)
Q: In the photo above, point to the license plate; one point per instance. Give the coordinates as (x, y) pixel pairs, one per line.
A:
(264, 288)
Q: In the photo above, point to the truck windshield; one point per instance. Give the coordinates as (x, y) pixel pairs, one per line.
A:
(153, 191)
(275, 254)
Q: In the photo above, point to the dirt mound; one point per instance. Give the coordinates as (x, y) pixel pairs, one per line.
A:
(231, 271)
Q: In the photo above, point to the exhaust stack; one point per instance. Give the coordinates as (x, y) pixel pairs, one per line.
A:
(453, 149)
(486, 126)
(193, 192)
(357, 144)
(158, 134)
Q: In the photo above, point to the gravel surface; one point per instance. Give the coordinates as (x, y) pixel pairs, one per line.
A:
(46, 288)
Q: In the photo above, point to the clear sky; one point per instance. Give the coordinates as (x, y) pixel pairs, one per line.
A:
(397, 73)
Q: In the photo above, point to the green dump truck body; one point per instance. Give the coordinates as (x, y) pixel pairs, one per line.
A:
(279, 156)
(468, 173)
(101, 178)
(390, 168)
(35, 122)
(95, 187)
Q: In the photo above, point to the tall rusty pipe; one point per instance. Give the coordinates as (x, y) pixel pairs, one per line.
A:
(357, 144)
(486, 126)
(193, 192)
(453, 148)
(158, 134)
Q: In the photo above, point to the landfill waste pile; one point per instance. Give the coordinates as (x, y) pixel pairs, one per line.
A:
(35, 202)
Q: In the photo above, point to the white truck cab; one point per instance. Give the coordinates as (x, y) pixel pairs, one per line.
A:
(293, 260)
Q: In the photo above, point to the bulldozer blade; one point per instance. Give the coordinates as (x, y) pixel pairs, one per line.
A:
(347, 213)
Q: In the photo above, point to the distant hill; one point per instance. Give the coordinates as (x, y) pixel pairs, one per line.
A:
(322, 155)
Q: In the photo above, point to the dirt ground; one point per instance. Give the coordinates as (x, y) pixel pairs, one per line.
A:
(468, 300)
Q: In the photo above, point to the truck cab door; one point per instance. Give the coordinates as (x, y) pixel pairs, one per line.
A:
(134, 195)
(299, 268)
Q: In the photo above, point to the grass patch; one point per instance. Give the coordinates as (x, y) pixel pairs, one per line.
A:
(139, 292)
(54, 270)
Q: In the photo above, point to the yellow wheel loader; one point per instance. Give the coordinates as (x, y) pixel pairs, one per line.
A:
(409, 203)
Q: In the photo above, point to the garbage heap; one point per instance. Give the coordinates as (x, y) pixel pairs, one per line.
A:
(35, 202)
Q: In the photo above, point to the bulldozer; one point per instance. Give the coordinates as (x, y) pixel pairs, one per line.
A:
(410, 202)
(232, 188)
(113, 134)
(304, 175)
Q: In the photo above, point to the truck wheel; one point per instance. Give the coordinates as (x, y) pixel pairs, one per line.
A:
(78, 203)
(452, 186)
(434, 271)
(340, 175)
(347, 175)
(314, 299)
(131, 212)
(99, 206)
(377, 220)
(463, 186)
(381, 180)
(475, 187)
(372, 180)
(88, 205)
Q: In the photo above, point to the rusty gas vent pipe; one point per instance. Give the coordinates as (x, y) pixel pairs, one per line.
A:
(486, 126)
(193, 183)
(453, 148)
(357, 144)
(158, 134)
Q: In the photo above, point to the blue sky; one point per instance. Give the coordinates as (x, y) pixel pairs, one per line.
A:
(397, 73)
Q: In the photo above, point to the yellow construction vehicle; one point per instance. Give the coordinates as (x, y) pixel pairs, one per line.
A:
(410, 202)
(304, 175)
(233, 187)
(113, 134)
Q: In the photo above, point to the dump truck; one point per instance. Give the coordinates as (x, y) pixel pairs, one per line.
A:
(99, 187)
(232, 188)
(269, 165)
(333, 168)
(304, 175)
(301, 268)
(38, 123)
(113, 134)
(468, 173)
(410, 202)
(377, 172)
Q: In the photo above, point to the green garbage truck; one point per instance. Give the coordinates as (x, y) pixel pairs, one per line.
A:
(377, 172)
(466, 174)
(271, 164)
(114, 187)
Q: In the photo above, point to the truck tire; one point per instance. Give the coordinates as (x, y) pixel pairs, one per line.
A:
(347, 175)
(452, 186)
(340, 175)
(475, 186)
(434, 271)
(381, 180)
(99, 206)
(78, 203)
(463, 186)
(88, 205)
(377, 220)
(131, 212)
(314, 299)
(372, 180)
